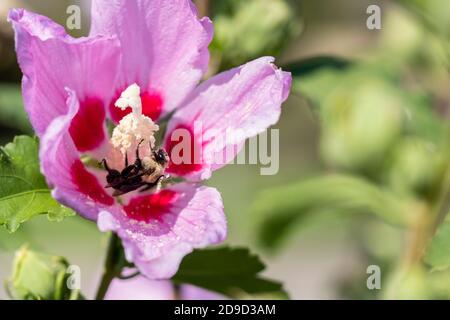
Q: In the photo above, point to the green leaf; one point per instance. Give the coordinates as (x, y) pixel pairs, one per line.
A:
(231, 271)
(39, 276)
(308, 66)
(23, 190)
(433, 13)
(438, 251)
(12, 113)
(316, 76)
(283, 209)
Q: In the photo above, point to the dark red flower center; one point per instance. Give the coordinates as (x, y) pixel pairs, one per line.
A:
(176, 146)
(152, 103)
(88, 184)
(87, 127)
(150, 207)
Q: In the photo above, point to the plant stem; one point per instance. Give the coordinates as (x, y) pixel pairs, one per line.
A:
(428, 215)
(419, 234)
(110, 269)
(442, 202)
(203, 7)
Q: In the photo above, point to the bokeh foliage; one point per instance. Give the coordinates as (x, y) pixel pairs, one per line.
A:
(384, 143)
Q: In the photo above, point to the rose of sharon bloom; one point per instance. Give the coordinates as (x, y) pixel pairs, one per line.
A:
(140, 288)
(150, 54)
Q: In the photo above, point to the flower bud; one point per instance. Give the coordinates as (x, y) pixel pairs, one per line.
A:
(362, 118)
(417, 165)
(37, 276)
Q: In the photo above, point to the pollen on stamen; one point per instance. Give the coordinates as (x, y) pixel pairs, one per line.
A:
(134, 127)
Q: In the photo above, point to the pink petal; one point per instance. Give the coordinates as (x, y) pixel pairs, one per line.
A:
(165, 47)
(140, 288)
(233, 105)
(50, 61)
(190, 292)
(73, 184)
(189, 217)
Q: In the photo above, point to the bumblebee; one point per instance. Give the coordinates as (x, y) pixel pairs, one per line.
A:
(144, 174)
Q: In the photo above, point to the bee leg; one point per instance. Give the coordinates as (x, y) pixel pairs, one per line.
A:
(127, 171)
(126, 188)
(137, 149)
(113, 176)
(159, 183)
(156, 184)
(147, 187)
(138, 162)
(129, 174)
(126, 159)
(105, 165)
(150, 145)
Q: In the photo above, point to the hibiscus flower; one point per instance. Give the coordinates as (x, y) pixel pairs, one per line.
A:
(141, 65)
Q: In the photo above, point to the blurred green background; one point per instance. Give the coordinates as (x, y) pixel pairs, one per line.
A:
(363, 145)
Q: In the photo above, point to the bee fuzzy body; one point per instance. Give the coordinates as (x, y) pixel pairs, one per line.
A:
(144, 174)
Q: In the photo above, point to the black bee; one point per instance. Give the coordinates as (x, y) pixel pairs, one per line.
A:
(143, 173)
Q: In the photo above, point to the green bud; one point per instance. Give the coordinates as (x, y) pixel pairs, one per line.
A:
(416, 167)
(362, 118)
(414, 45)
(248, 29)
(38, 276)
(405, 44)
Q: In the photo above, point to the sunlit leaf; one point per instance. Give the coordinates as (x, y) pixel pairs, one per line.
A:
(23, 190)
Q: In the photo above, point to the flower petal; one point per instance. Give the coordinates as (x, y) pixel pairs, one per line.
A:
(73, 185)
(183, 218)
(165, 48)
(50, 61)
(222, 113)
(140, 288)
(190, 292)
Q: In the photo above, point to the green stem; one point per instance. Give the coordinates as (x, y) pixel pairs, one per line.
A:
(429, 217)
(203, 7)
(442, 203)
(111, 268)
(420, 232)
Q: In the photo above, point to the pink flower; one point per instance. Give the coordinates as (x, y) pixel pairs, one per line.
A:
(70, 88)
(140, 288)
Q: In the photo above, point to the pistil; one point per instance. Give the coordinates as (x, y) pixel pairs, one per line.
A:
(134, 127)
